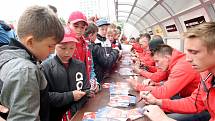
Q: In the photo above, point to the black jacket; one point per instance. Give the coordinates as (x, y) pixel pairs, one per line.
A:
(61, 83)
(104, 57)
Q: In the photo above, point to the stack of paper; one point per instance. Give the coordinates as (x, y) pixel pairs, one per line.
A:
(112, 114)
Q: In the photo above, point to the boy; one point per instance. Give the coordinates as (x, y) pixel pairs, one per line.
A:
(110, 37)
(90, 37)
(90, 34)
(24, 85)
(66, 79)
(103, 55)
(116, 34)
(78, 22)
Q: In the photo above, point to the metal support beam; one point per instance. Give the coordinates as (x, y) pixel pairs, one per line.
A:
(187, 11)
(116, 9)
(158, 2)
(135, 2)
(144, 9)
(129, 12)
(208, 6)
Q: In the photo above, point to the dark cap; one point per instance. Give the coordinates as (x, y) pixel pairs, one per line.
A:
(154, 43)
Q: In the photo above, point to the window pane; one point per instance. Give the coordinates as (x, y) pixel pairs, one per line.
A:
(131, 2)
(168, 8)
(160, 13)
(139, 26)
(132, 21)
(181, 5)
(142, 22)
(134, 17)
(124, 8)
(138, 12)
(123, 14)
(149, 19)
(146, 4)
(122, 18)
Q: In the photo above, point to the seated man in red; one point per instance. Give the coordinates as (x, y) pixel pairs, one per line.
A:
(182, 78)
(200, 49)
(150, 71)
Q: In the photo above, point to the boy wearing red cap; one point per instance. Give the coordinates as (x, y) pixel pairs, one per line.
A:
(67, 79)
(78, 22)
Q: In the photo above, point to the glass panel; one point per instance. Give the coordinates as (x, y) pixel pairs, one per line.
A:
(138, 11)
(149, 19)
(206, 0)
(127, 11)
(142, 26)
(144, 23)
(131, 2)
(181, 5)
(160, 13)
(123, 14)
(124, 8)
(132, 21)
(168, 8)
(146, 4)
(139, 26)
(121, 18)
(134, 17)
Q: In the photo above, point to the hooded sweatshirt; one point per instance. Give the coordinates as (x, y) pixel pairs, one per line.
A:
(201, 99)
(180, 74)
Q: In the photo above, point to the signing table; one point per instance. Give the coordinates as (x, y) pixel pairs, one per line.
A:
(102, 98)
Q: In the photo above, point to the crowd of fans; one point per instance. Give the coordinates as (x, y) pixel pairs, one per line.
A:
(48, 70)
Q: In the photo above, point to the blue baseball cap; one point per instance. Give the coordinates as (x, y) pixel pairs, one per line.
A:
(102, 22)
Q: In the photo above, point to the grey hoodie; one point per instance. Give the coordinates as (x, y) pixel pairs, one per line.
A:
(22, 84)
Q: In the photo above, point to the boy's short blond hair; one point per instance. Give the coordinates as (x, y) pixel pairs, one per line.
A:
(110, 31)
(205, 32)
(39, 22)
(112, 26)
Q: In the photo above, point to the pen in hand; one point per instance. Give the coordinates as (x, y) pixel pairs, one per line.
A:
(145, 94)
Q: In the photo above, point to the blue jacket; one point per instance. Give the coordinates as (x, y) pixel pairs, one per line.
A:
(6, 34)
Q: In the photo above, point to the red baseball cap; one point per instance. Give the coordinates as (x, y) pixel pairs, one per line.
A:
(77, 16)
(69, 36)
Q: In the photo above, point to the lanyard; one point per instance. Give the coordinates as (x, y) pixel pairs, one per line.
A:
(203, 83)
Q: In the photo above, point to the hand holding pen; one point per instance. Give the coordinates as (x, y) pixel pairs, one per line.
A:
(147, 97)
(146, 94)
